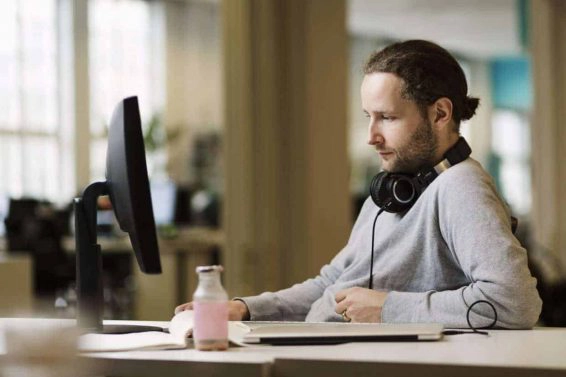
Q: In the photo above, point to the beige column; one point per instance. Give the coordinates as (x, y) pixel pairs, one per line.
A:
(81, 91)
(193, 75)
(480, 125)
(287, 203)
(178, 103)
(548, 51)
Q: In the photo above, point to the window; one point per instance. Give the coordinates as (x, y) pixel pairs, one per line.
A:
(37, 130)
(511, 158)
(126, 43)
(33, 148)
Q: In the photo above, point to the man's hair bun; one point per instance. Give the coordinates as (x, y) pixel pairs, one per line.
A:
(469, 108)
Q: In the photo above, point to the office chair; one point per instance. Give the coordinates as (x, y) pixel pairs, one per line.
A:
(35, 227)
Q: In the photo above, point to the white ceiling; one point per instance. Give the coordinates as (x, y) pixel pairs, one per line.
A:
(474, 28)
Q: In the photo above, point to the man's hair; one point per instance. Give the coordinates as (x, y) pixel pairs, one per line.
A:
(429, 72)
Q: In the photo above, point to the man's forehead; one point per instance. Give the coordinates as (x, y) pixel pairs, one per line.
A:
(383, 82)
(382, 91)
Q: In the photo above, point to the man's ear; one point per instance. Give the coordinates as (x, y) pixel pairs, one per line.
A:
(440, 112)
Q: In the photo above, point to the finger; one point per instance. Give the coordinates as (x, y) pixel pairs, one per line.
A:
(183, 307)
(341, 295)
(179, 309)
(341, 307)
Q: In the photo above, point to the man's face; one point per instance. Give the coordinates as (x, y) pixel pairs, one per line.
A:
(403, 139)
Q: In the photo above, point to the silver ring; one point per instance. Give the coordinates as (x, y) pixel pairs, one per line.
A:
(345, 316)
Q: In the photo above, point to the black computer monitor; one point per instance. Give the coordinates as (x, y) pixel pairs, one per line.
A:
(127, 185)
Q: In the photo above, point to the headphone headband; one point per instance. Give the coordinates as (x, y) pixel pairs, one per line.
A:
(456, 154)
(459, 152)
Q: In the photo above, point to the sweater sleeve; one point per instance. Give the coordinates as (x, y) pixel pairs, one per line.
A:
(294, 303)
(476, 227)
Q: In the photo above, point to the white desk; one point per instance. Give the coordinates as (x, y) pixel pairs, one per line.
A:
(539, 352)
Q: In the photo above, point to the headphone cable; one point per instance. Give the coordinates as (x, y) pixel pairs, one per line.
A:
(370, 284)
(475, 330)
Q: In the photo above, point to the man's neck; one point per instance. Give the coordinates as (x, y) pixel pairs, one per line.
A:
(444, 144)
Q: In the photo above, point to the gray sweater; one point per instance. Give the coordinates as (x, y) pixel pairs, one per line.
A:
(452, 248)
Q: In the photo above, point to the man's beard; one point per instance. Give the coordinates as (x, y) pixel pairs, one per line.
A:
(419, 152)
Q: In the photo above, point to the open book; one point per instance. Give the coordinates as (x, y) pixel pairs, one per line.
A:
(180, 330)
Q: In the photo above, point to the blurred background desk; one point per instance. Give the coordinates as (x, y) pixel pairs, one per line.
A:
(155, 296)
(179, 257)
(16, 284)
(151, 297)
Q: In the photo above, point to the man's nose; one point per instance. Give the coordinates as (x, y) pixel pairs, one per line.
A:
(374, 135)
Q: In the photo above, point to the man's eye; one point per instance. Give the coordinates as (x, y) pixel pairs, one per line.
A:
(385, 117)
(366, 115)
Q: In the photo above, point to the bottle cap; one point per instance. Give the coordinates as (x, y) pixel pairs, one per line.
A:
(215, 268)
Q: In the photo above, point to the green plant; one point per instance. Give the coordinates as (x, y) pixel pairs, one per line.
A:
(155, 137)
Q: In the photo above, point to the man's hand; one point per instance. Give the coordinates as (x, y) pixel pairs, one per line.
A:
(360, 304)
(237, 310)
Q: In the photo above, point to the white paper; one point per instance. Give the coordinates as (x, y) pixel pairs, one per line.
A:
(180, 328)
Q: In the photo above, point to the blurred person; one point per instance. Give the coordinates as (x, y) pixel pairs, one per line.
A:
(452, 248)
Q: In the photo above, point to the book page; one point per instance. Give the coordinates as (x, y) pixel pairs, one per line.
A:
(150, 340)
(181, 325)
(236, 332)
(180, 328)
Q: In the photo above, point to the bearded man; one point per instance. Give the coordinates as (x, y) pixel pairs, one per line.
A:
(435, 237)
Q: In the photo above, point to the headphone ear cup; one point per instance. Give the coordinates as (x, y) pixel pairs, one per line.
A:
(376, 189)
(393, 192)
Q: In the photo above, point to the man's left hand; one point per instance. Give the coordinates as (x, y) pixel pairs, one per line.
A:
(360, 304)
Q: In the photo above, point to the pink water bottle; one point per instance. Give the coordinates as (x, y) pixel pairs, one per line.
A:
(210, 331)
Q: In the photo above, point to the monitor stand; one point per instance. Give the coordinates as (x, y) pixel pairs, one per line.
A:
(90, 302)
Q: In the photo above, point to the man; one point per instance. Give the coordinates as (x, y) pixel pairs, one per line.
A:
(452, 248)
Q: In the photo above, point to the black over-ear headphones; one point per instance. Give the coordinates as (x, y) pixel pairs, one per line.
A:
(397, 192)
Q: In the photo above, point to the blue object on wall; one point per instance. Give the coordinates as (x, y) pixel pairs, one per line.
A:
(511, 85)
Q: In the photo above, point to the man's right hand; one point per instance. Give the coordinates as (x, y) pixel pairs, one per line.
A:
(237, 310)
